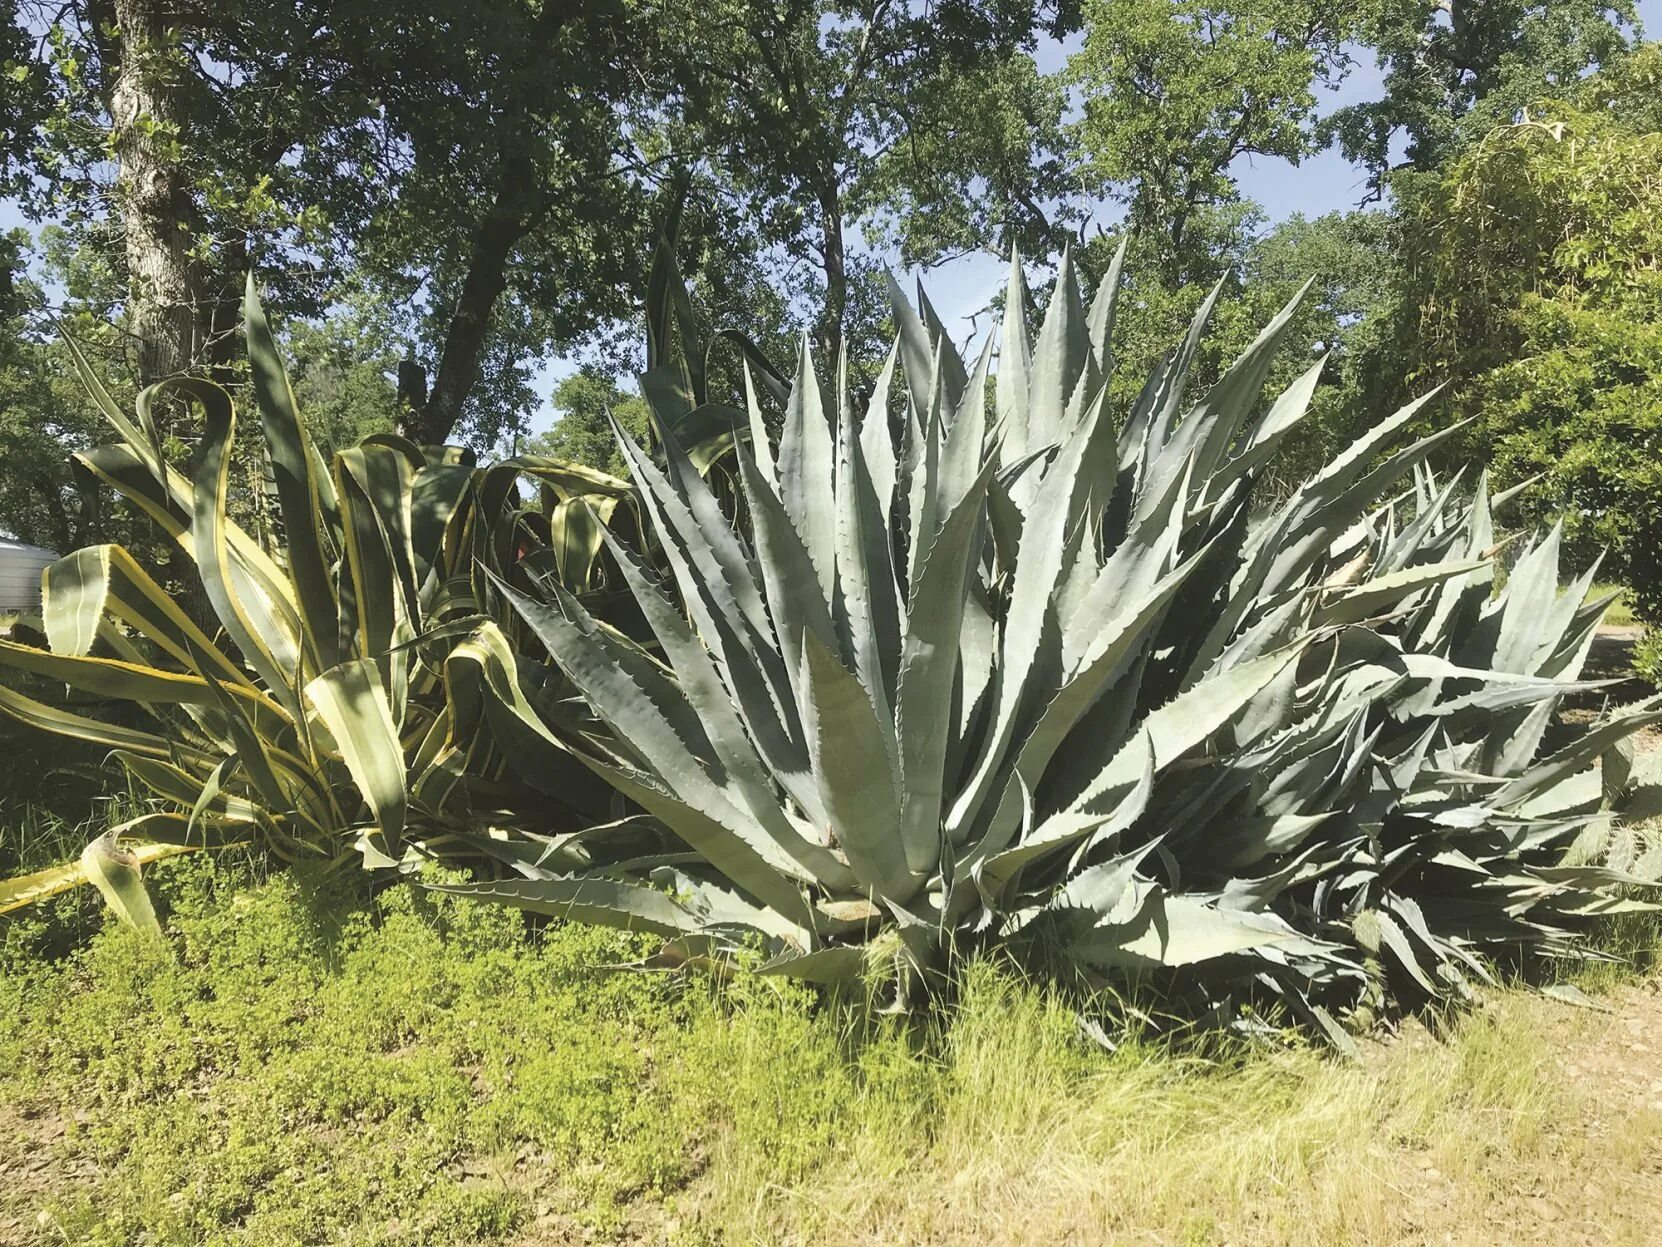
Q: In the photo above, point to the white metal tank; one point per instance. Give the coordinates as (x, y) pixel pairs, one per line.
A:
(20, 569)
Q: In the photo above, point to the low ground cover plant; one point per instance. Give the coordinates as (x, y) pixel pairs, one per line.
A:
(300, 1065)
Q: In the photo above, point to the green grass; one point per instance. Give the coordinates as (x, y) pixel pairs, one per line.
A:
(294, 1069)
(1620, 614)
(299, 1068)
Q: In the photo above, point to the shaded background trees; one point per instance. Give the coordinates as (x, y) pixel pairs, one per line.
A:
(452, 207)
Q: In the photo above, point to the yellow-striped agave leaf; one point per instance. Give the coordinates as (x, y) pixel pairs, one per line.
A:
(353, 707)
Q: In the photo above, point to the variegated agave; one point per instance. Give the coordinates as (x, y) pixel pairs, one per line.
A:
(1050, 679)
(334, 706)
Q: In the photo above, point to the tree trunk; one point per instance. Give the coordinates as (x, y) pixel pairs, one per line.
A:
(51, 497)
(147, 110)
(464, 340)
(218, 310)
(834, 263)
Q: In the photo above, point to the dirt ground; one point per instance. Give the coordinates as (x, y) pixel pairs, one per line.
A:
(1595, 1178)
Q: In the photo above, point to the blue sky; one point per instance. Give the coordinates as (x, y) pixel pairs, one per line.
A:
(1322, 183)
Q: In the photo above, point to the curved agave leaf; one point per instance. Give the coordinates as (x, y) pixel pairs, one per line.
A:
(25, 890)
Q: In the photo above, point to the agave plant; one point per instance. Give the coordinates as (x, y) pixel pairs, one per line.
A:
(333, 709)
(1059, 681)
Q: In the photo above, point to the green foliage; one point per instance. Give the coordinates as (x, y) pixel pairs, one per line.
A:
(414, 1070)
(585, 403)
(297, 1067)
(340, 376)
(1175, 99)
(398, 154)
(1044, 681)
(398, 1070)
(1582, 409)
(1453, 73)
(43, 418)
(1175, 94)
(1532, 285)
(23, 101)
(490, 174)
(1647, 656)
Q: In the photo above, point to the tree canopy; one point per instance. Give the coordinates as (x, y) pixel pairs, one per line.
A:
(439, 199)
(1532, 285)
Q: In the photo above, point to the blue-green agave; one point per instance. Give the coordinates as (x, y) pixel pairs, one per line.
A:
(988, 663)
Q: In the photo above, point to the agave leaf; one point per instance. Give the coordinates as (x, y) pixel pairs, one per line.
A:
(994, 866)
(1402, 952)
(1315, 520)
(173, 502)
(1189, 719)
(706, 579)
(1059, 357)
(753, 860)
(921, 463)
(1231, 400)
(721, 721)
(1174, 930)
(928, 664)
(760, 447)
(797, 598)
(1423, 540)
(855, 772)
(952, 367)
(115, 873)
(607, 902)
(876, 444)
(807, 471)
(868, 610)
(963, 448)
(25, 890)
(80, 588)
(1030, 641)
(1100, 323)
(1571, 760)
(374, 491)
(299, 493)
(834, 964)
(1266, 437)
(1150, 427)
(1014, 364)
(251, 619)
(46, 718)
(1110, 652)
(575, 535)
(569, 480)
(1385, 593)
(917, 356)
(352, 704)
(126, 681)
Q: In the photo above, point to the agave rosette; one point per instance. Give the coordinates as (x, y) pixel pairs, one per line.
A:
(1046, 678)
(333, 707)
